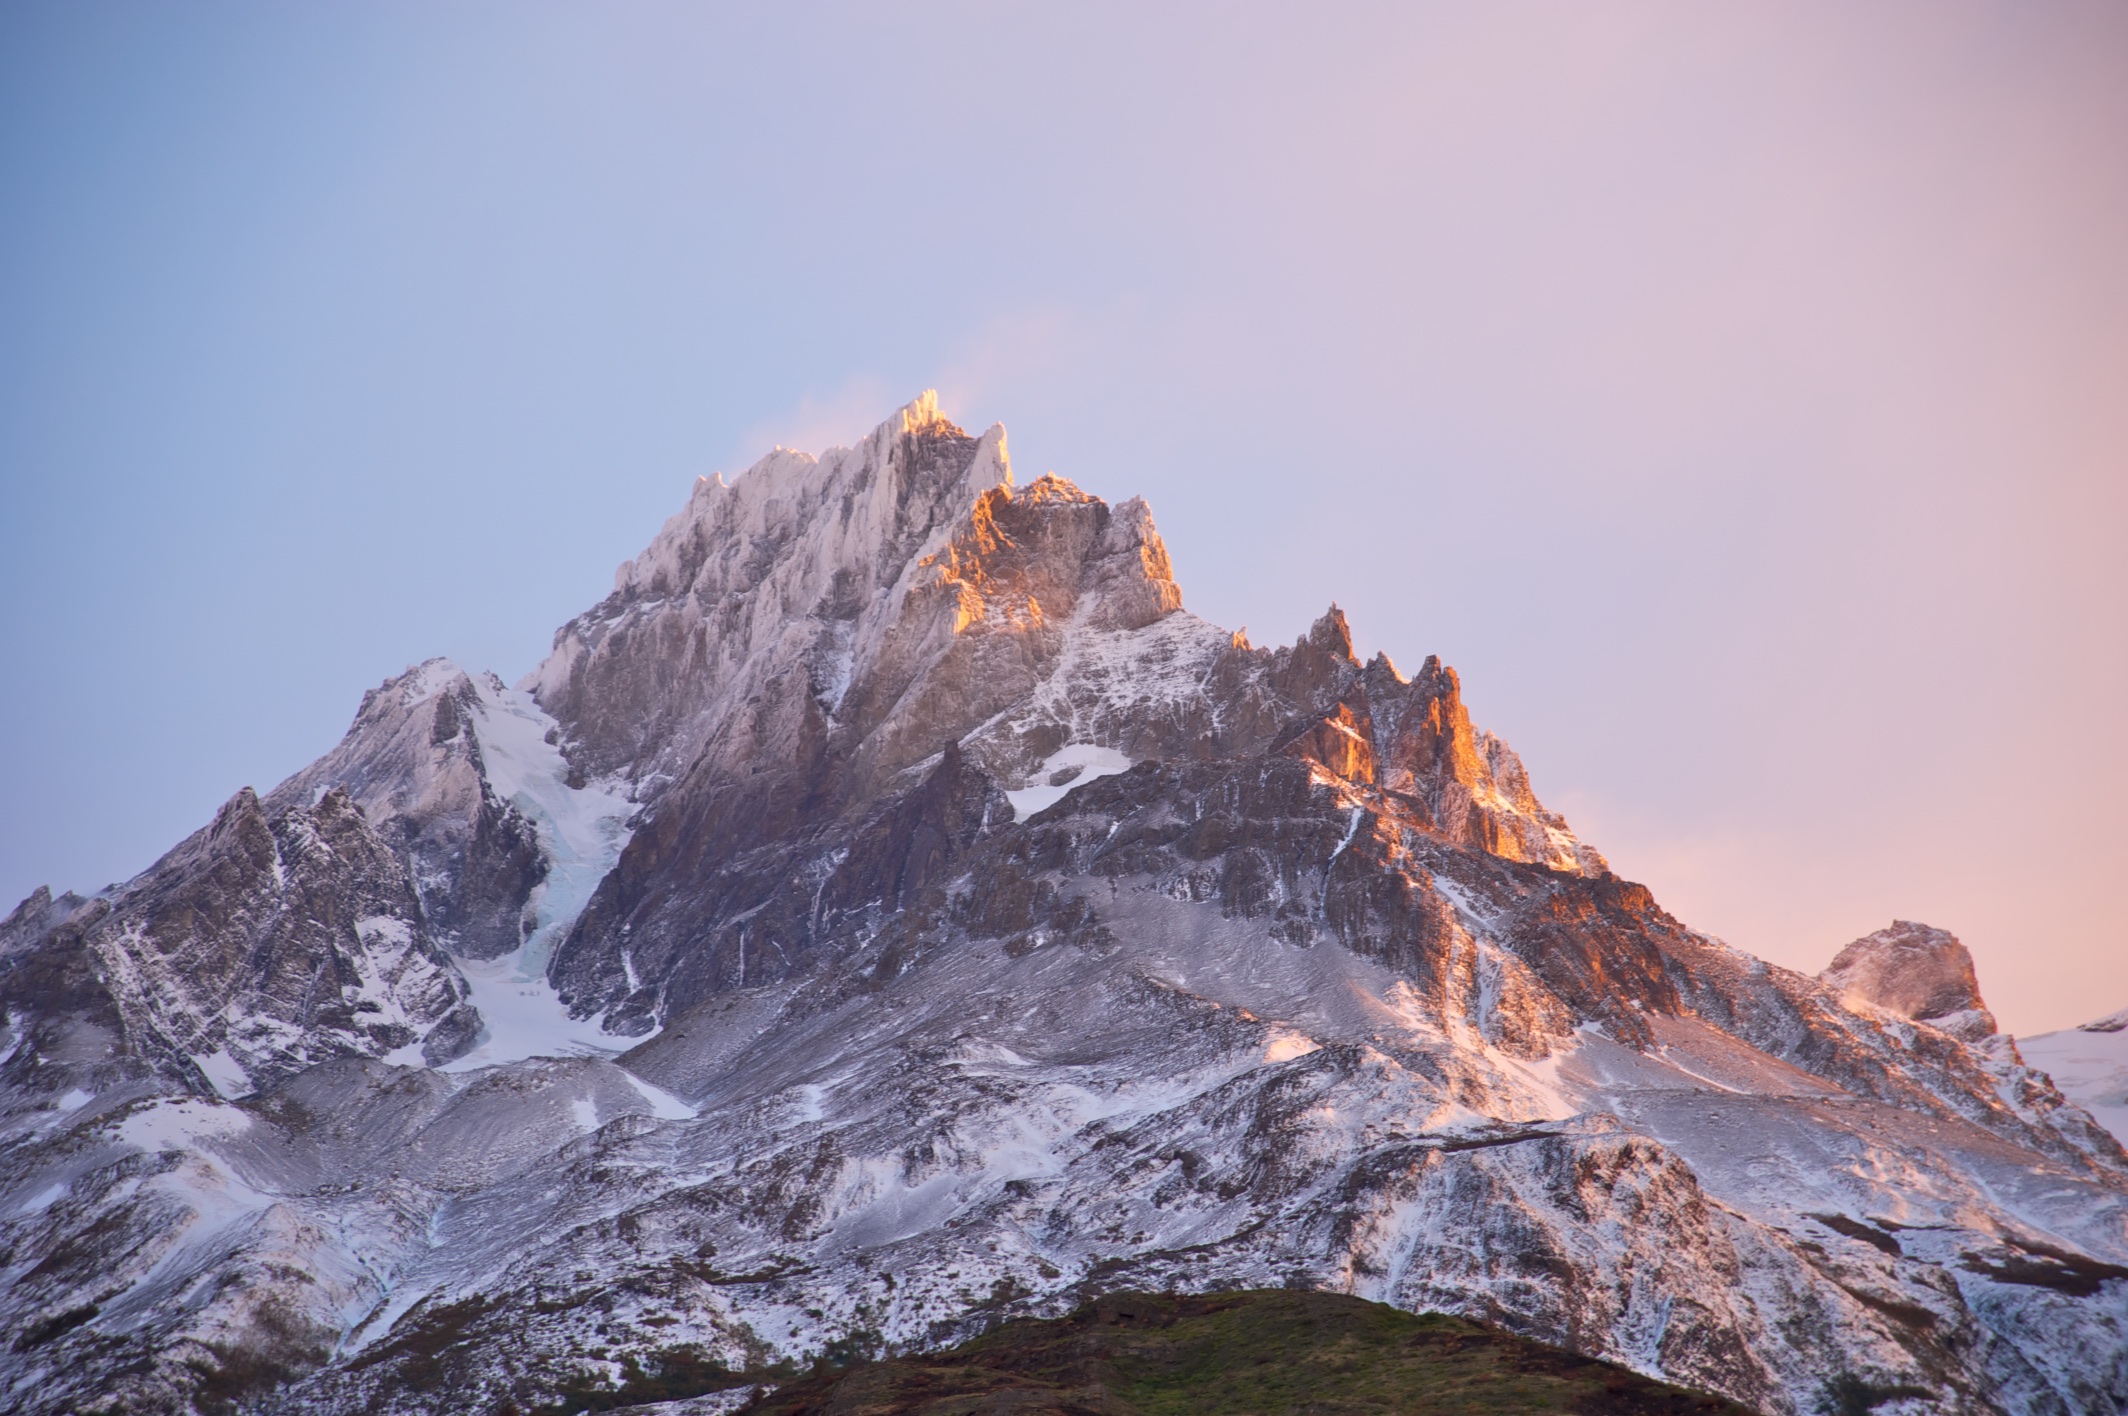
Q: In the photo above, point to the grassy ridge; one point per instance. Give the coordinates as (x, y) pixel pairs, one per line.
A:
(1265, 1353)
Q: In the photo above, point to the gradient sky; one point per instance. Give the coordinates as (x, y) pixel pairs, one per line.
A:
(1737, 395)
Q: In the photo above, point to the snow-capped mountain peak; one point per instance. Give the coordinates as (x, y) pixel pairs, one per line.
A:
(984, 931)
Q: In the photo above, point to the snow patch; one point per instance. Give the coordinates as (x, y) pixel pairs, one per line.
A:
(1076, 764)
(169, 1124)
(524, 1017)
(374, 928)
(582, 831)
(224, 1072)
(663, 1104)
(1285, 1045)
(43, 1200)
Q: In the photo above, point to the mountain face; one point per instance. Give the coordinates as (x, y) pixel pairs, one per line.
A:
(2091, 1065)
(890, 912)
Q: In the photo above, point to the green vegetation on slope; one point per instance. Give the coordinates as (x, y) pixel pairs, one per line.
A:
(1266, 1353)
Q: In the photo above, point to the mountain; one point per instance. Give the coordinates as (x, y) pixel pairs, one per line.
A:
(889, 913)
(2090, 1063)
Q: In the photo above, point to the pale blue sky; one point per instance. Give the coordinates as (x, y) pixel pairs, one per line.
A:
(1737, 395)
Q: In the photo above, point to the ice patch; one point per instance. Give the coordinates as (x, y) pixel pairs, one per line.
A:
(76, 1099)
(1352, 829)
(524, 1017)
(1078, 763)
(586, 1112)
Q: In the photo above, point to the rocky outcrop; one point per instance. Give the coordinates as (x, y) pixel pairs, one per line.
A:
(63, 1034)
(265, 944)
(413, 761)
(755, 609)
(1215, 1024)
(1918, 972)
(1413, 738)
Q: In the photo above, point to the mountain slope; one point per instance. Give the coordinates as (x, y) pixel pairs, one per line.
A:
(890, 912)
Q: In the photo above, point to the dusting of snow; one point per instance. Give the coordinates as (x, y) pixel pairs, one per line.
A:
(174, 1122)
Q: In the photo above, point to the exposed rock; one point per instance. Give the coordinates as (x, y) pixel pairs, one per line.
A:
(756, 605)
(1034, 622)
(1918, 972)
(263, 945)
(415, 764)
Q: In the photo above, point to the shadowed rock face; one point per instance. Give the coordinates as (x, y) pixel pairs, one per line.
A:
(988, 933)
(414, 763)
(1918, 972)
(265, 944)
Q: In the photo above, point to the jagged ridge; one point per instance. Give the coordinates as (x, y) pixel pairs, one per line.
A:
(992, 933)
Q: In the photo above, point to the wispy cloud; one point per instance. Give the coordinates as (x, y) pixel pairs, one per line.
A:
(821, 420)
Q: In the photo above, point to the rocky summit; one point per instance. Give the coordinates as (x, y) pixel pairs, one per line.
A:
(890, 915)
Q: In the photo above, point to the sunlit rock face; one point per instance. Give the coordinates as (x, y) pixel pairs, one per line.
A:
(1918, 972)
(935, 922)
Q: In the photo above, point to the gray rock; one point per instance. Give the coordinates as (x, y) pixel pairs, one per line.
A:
(1918, 972)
